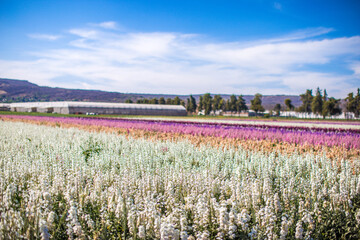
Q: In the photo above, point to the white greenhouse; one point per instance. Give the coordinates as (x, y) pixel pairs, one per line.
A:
(99, 108)
(4, 106)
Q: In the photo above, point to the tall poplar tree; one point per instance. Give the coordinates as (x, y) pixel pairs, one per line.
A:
(241, 104)
(306, 98)
(217, 102)
(191, 104)
(232, 103)
(207, 103)
(317, 102)
(227, 105)
(201, 105)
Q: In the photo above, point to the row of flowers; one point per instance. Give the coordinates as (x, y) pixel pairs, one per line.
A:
(269, 122)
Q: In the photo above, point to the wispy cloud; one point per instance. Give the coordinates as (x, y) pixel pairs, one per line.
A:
(277, 6)
(165, 62)
(47, 37)
(302, 34)
(84, 33)
(106, 25)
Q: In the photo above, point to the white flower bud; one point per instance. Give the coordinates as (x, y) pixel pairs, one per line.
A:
(142, 232)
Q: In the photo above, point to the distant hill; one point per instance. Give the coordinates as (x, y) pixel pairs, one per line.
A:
(12, 90)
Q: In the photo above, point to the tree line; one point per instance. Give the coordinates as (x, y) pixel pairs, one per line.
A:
(324, 106)
(319, 104)
(353, 103)
(161, 100)
(207, 103)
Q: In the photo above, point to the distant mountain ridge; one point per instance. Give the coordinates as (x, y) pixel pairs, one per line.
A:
(12, 90)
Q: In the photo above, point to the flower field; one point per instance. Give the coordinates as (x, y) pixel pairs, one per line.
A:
(348, 138)
(75, 178)
(336, 143)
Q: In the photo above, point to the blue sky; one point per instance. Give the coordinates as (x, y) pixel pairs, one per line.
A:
(183, 47)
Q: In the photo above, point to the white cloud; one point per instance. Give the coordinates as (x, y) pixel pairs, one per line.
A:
(163, 62)
(47, 37)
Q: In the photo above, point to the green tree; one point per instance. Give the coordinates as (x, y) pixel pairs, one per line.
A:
(176, 101)
(154, 101)
(128, 100)
(331, 107)
(277, 109)
(223, 104)
(227, 105)
(256, 104)
(191, 104)
(325, 97)
(306, 98)
(143, 101)
(353, 103)
(317, 102)
(188, 105)
(288, 104)
(357, 103)
(207, 103)
(350, 103)
(233, 103)
(169, 101)
(241, 104)
(162, 100)
(217, 103)
(201, 104)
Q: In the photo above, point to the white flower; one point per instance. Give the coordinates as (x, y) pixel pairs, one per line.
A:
(299, 230)
(184, 235)
(142, 232)
(51, 218)
(277, 204)
(44, 232)
(74, 226)
(47, 196)
(284, 228)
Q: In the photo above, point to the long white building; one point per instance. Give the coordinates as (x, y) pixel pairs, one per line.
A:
(99, 108)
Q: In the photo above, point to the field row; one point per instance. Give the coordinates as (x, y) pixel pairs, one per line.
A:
(266, 122)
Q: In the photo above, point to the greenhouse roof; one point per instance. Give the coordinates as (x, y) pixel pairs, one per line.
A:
(98, 105)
